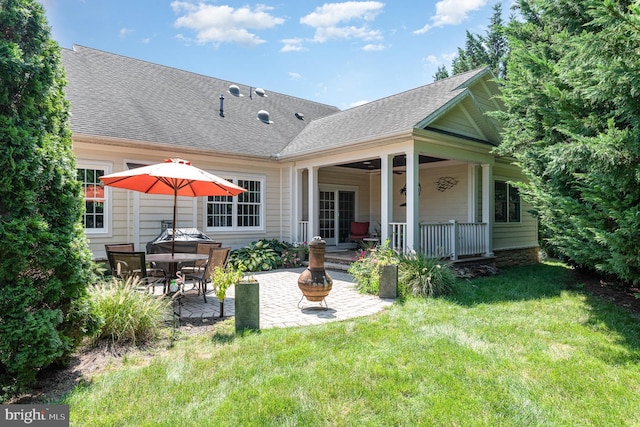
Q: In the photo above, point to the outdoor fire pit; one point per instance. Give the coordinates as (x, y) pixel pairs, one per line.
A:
(314, 282)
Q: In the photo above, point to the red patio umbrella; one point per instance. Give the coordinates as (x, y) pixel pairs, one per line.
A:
(175, 177)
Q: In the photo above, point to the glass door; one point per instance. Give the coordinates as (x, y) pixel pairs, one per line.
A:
(337, 210)
(327, 218)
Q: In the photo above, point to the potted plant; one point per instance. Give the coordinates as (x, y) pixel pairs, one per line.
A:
(247, 304)
(302, 249)
(222, 279)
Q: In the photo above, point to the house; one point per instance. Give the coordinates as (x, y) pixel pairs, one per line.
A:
(417, 165)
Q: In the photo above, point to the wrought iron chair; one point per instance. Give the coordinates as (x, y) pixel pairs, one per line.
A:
(117, 247)
(202, 248)
(217, 257)
(153, 270)
(134, 264)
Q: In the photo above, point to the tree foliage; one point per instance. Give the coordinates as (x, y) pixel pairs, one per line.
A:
(44, 258)
(572, 122)
(480, 51)
(442, 73)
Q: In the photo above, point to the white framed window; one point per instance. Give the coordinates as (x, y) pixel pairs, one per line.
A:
(96, 201)
(507, 202)
(243, 212)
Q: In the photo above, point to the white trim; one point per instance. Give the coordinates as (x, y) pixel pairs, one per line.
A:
(472, 192)
(488, 205)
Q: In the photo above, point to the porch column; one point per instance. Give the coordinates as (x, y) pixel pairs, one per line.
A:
(472, 199)
(487, 205)
(313, 194)
(413, 228)
(386, 195)
(296, 203)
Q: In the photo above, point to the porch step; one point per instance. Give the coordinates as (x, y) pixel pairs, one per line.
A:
(338, 260)
(336, 266)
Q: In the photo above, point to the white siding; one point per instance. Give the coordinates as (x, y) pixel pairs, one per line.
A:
(148, 213)
(514, 235)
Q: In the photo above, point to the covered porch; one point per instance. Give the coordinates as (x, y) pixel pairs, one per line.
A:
(421, 199)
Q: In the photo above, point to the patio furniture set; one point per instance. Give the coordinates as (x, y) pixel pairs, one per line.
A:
(168, 268)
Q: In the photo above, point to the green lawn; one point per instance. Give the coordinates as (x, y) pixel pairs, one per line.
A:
(524, 348)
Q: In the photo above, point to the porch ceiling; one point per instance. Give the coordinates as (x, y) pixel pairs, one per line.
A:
(398, 162)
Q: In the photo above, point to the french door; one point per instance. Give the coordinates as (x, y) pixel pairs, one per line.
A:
(337, 210)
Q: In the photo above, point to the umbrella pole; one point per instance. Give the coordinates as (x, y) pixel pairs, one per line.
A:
(175, 207)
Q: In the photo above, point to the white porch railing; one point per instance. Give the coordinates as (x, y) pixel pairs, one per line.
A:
(397, 236)
(303, 231)
(453, 239)
(442, 240)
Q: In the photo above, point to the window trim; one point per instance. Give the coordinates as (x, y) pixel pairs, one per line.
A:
(106, 167)
(234, 206)
(509, 186)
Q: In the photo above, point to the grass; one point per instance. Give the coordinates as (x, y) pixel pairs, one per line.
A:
(524, 348)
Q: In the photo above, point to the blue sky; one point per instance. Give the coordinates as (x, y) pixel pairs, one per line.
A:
(341, 54)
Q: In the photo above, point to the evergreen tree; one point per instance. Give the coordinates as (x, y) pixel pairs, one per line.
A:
(44, 258)
(572, 122)
(442, 73)
(480, 51)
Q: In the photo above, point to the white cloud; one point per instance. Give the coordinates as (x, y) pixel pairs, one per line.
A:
(124, 32)
(432, 60)
(451, 12)
(224, 24)
(292, 45)
(357, 103)
(443, 59)
(374, 47)
(294, 76)
(449, 56)
(330, 19)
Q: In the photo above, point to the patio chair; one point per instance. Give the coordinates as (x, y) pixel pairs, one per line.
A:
(117, 247)
(133, 264)
(359, 231)
(152, 269)
(197, 267)
(217, 257)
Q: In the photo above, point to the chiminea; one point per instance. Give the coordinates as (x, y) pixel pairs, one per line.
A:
(314, 282)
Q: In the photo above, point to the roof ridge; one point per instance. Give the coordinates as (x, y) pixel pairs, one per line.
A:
(155, 64)
(440, 82)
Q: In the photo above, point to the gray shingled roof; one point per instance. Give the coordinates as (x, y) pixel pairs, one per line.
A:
(386, 116)
(121, 97)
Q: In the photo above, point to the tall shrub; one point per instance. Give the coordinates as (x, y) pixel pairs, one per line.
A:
(44, 258)
(572, 122)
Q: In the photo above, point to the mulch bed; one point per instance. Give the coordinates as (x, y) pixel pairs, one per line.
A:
(617, 293)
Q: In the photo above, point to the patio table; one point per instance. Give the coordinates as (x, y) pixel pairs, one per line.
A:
(173, 260)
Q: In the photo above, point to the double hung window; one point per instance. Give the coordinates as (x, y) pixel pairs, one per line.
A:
(507, 202)
(96, 204)
(243, 212)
